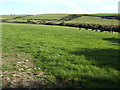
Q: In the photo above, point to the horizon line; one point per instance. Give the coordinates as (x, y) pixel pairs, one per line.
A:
(57, 13)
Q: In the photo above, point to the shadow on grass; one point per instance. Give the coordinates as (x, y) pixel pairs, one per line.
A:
(34, 84)
(30, 84)
(113, 40)
(86, 82)
(103, 57)
(102, 82)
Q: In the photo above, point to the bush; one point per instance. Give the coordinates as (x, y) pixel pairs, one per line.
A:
(62, 23)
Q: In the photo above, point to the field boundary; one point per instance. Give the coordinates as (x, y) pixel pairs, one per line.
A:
(97, 27)
(73, 16)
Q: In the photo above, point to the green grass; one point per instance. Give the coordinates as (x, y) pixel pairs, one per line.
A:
(73, 58)
(19, 20)
(46, 16)
(105, 14)
(10, 16)
(95, 20)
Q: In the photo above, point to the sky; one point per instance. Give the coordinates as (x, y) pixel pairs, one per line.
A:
(58, 6)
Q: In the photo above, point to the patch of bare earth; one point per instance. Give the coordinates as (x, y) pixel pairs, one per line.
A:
(19, 71)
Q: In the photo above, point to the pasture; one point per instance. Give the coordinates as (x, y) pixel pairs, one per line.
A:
(11, 16)
(45, 16)
(105, 14)
(66, 18)
(59, 56)
(95, 20)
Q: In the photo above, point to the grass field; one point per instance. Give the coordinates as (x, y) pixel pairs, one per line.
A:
(105, 14)
(19, 20)
(10, 16)
(50, 16)
(59, 56)
(96, 20)
(46, 16)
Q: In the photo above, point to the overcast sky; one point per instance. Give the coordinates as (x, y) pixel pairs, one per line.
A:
(57, 6)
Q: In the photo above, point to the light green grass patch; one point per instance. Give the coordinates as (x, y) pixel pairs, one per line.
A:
(10, 16)
(46, 16)
(95, 20)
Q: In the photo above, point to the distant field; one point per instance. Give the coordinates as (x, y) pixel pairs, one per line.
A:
(10, 16)
(65, 56)
(46, 16)
(96, 20)
(20, 20)
(105, 14)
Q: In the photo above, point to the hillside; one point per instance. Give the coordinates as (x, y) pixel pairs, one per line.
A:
(96, 20)
(45, 16)
(105, 14)
(12, 16)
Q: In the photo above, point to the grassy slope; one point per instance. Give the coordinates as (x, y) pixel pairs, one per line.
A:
(10, 16)
(46, 16)
(72, 57)
(83, 19)
(96, 20)
(105, 14)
